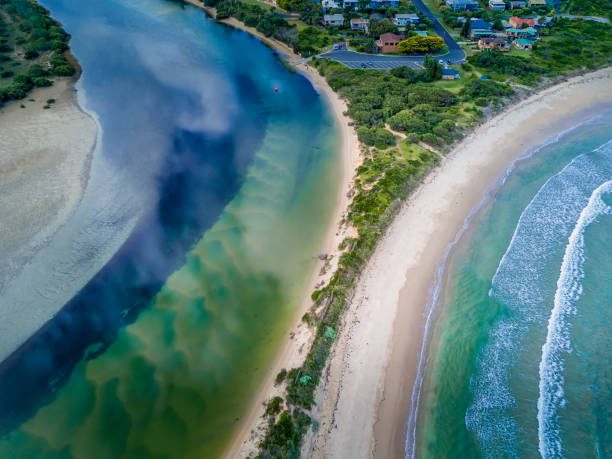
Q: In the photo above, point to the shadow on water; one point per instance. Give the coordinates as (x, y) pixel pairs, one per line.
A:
(200, 177)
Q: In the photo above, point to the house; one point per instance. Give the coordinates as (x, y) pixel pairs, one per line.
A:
(498, 5)
(518, 22)
(459, 5)
(360, 24)
(350, 3)
(529, 32)
(450, 74)
(334, 20)
(523, 43)
(517, 4)
(387, 43)
(330, 4)
(536, 3)
(480, 28)
(402, 20)
(493, 43)
(384, 3)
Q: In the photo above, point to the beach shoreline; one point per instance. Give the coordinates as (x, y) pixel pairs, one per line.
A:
(364, 399)
(45, 158)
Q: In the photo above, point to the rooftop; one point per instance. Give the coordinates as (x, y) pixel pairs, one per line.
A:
(450, 72)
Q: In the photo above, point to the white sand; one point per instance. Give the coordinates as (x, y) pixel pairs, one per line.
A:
(44, 165)
(363, 403)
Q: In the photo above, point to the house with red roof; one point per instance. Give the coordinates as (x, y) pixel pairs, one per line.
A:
(517, 22)
(387, 43)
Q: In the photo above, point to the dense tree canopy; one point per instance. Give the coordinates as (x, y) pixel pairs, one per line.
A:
(420, 44)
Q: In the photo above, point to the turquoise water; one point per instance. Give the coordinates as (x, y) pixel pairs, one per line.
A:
(226, 188)
(519, 360)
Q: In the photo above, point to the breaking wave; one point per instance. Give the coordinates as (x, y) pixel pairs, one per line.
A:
(569, 290)
(521, 287)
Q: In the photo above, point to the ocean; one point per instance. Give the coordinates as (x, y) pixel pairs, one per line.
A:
(209, 197)
(519, 357)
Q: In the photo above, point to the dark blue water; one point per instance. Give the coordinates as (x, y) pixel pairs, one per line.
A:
(184, 105)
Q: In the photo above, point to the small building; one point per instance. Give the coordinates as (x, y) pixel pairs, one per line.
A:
(498, 5)
(460, 5)
(387, 43)
(531, 3)
(450, 74)
(523, 43)
(334, 20)
(402, 20)
(350, 3)
(517, 4)
(518, 22)
(480, 28)
(529, 32)
(493, 43)
(360, 24)
(384, 3)
(330, 4)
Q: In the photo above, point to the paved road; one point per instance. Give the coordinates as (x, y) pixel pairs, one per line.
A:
(355, 60)
(455, 54)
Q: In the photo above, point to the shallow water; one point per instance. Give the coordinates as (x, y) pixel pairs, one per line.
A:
(519, 358)
(208, 200)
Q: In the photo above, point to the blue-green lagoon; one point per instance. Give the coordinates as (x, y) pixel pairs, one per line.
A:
(213, 193)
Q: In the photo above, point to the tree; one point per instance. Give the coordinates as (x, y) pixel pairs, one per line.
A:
(465, 30)
(433, 69)
(419, 44)
(380, 27)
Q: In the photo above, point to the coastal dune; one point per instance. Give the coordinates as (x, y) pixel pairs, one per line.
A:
(44, 165)
(364, 400)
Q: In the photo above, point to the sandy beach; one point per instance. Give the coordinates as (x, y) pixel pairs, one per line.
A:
(44, 166)
(364, 399)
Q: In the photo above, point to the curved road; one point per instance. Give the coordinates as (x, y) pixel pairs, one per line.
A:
(354, 60)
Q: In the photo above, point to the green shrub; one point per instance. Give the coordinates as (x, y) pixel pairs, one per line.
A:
(280, 377)
(274, 406)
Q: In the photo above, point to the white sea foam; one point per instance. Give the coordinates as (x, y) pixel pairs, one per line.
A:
(569, 290)
(519, 285)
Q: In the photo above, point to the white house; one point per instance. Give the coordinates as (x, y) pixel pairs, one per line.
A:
(401, 20)
(330, 4)
(350, 3)
(334, 19)
(360, 24)
(498, 5)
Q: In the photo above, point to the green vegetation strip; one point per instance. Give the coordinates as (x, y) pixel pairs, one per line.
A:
(407, 101)
(33, 49)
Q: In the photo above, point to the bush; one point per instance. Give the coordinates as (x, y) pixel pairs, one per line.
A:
(40, 82)
(378, 137)
(280, 377)
(274, 406)
(486, 88)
